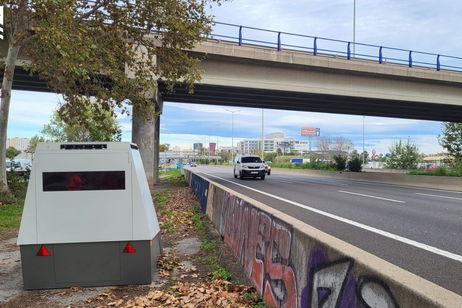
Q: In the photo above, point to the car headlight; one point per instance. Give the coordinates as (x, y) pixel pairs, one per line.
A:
(245, 167)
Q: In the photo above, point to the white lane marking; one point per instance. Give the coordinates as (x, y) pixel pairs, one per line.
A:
(395, 237)
(370, 196)
(445, 197)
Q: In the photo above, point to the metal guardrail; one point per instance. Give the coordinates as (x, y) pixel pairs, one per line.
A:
(321, 45)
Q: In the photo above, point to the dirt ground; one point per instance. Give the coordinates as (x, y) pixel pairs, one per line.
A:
(196, 270)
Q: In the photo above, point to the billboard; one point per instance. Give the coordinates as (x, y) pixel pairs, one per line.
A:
(310, 131)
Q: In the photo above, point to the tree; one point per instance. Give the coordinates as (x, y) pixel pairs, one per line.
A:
(340, 162)
(355, 162)
(269, 156)
(164, 147)
(12, 152)
(452, 140)
(33, 143)
(225, 156)
(100, 126)
(403, 155)
(107, 49)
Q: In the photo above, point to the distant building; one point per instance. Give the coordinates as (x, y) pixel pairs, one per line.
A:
(212, 147)
(272, 143)
(18, 143)
(197, 146)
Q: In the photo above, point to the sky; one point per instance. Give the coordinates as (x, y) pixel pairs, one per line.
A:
(424, 25)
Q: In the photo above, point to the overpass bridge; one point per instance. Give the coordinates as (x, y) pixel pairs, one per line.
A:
(244, 71)
(250, 72)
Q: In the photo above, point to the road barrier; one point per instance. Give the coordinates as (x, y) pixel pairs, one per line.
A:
(423, 181)
(294, 265)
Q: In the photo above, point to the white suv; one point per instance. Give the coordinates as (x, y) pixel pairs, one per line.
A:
(249, 166)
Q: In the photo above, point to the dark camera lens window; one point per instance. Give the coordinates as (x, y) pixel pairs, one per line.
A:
(92, 180)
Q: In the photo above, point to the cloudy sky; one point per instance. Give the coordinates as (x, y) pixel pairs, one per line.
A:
(424, 25)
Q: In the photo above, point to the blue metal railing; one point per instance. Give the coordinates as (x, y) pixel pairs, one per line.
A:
(291, 41)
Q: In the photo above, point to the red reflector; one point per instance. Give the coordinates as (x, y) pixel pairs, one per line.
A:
(43, 252)
(129, 248)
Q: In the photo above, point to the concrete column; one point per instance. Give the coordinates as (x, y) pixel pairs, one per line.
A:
(143, 132)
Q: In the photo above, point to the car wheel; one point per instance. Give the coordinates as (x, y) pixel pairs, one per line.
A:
(263, 177)
(235, 176)
(240, 175)
(269, 172)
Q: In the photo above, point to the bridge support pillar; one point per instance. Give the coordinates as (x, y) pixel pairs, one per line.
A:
(146, 133)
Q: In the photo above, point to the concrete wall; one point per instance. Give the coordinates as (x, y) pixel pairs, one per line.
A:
(424, 181)
(295, 265)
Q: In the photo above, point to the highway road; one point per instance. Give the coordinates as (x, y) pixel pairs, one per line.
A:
(417, 229)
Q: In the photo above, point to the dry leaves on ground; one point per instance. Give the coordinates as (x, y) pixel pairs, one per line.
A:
(191, 295)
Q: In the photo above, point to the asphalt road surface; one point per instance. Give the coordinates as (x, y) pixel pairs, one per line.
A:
(417, 229)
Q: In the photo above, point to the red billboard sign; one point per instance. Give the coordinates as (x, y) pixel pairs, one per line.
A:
(310, 131)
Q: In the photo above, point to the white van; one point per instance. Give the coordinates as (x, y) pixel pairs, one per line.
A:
(249, 166)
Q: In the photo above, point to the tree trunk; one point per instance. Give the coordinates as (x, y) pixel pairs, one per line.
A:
(143, 134)
(7, 85)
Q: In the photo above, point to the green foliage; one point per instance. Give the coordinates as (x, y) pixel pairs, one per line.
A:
(315, 165)
(452, 140)
(226, 157)
(17, 183)
(209, 245)
(198, 219)
(12, 152)
(221, 273)
(100, 125)
(10, 216)
(33, 143)
(269, 156)
(163, 147)
(403, 155)
(455, 170)
(340, 162)
(355, 164)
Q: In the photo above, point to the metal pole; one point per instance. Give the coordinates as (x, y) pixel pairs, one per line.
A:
(354, 27)
(262, 136)
(232, 132)
(364, 156)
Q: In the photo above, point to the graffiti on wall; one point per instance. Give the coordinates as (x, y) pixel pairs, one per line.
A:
(262, 244)
(332, 284)
(200, 187)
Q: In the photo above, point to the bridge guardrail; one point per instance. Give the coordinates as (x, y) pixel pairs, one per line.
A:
(320, 45)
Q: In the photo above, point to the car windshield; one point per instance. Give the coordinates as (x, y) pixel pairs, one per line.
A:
(251, 160)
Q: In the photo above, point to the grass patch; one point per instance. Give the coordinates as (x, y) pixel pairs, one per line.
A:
(209, 245)
(207, 260)
(311, 166)
(198, 218)
(10, 216)
(171, 174)
(161, 198)
(221, 272)
(441, 171)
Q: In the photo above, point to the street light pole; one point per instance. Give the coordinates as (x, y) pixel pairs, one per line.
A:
(262, 138)
(364, 156)
(354, 26)
(232, 131)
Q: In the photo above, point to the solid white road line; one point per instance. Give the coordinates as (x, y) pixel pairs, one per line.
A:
(370, 196)
(445, 197)
(395, 237)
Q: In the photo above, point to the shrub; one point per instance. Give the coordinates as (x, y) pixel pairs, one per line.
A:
(355, 164)
(340, 162)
